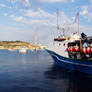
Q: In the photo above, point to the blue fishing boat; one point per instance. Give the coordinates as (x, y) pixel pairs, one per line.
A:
(73, 52)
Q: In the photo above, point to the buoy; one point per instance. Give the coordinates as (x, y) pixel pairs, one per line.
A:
(76, 49)
(73, 49)
(81, 50)
(70, 49)
(88, 50)
(91, 49)
(67, 49)
(84, 50)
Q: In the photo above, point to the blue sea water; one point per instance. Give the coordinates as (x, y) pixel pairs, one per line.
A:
(35, 71)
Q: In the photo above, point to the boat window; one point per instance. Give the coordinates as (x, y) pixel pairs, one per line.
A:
(74, 43)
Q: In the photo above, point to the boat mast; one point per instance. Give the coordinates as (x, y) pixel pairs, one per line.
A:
(57, 12)
(77, 21)
(63, 29)
(35, 37)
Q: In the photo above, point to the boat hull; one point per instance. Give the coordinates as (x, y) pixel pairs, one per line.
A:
(22, 51)
(72, 64)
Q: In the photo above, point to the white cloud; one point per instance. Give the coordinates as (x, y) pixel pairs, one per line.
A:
(73, 1)
(86, 30)
(10, 33)
(84, 10)
(41, 17)
(45, 22)
(64, 18)
(53, 1)
(42, 22)
(4, 6)
(39, 14)
(46, 18)
(25, 3)
(5, 14)
(20, 18)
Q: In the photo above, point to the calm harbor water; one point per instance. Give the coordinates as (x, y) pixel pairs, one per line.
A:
(36, 72)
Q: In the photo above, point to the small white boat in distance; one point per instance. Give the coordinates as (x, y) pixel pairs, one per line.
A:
(23, 50)
(11, 49)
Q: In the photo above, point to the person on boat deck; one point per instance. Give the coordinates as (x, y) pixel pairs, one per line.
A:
(74, 37)
(84, 36)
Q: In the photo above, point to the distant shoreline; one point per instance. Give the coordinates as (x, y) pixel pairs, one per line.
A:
(18, 45)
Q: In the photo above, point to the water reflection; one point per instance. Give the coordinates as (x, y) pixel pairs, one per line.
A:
(67, 81)
(35, 72)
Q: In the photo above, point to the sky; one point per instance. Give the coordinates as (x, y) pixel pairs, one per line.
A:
(21, 19)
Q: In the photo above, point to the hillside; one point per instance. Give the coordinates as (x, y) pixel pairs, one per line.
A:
(17, 45)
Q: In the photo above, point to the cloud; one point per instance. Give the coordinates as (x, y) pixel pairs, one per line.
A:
(10, 33)
(27, 3)
(38, 14)
(44, 15)
(4, 6)
(5, 14)
(73, 1)
(40, 21)
(53, 1)
(20, 3)
(19, 18)
(84, 10)
(65, 19)
(86, 30)
(45, 18)
(45, 22)
(56, 1)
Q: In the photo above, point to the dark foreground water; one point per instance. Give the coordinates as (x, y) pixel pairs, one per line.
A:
(36, 72)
